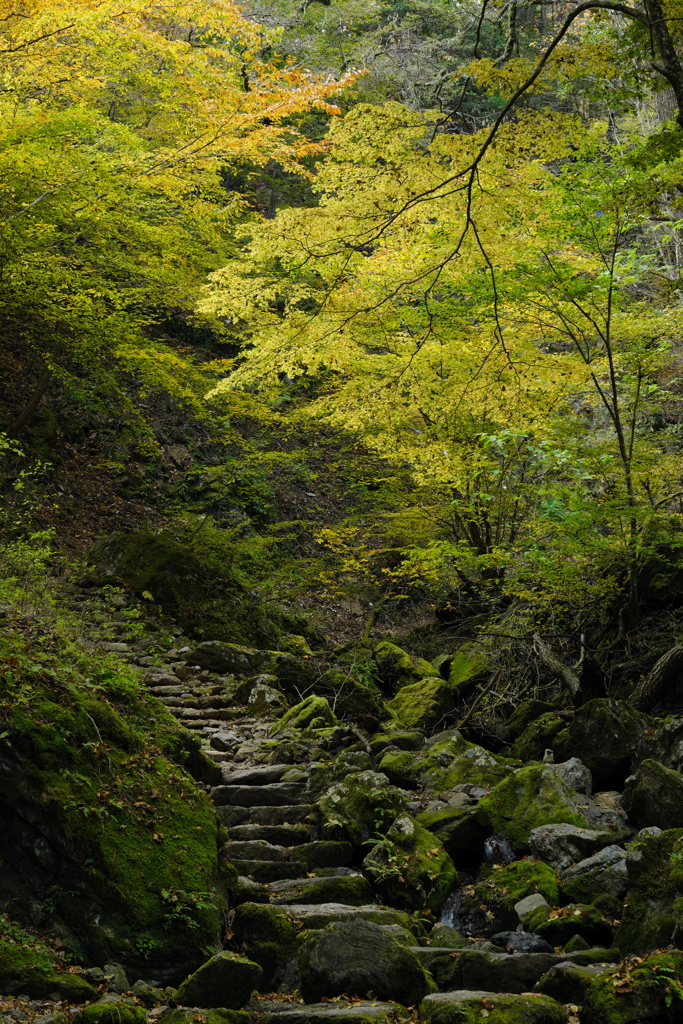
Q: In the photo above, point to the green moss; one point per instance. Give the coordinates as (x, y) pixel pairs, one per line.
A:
(410, 869)
(138, 841)
(444, 765)
(422, 705)
(653, 908)
(462, 830)
(30, 971)
(359, 808)
(312, 713)
(268, 935)
(537, 737)
(199, 1015)
(509, 884)
(467, 667)
(574, 919)
(500, 1008)
(110, 1013)
(526, 713)
(396, 668)
(530, 797)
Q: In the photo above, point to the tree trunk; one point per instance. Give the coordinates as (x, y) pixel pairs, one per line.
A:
(31, 407)
(563, 672)
(652, 689)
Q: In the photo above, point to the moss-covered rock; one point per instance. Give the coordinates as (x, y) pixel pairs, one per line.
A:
(422, 705)
(106, 838)
(360, 957)
(198, 1015)
(604, 734)
(634, 993)
(462, 830)
(312, 713)
(395, 668)
(531, 797)
(409, 868)
(526, 713)
(468, 668)
(110, 1013)
(445, 764)
(358, 808)
(574, 919)
(268, 935)
(653, 908)
(28, 970)
(352, 890)
(226, 980)
(654, 796)
(497, 1007)
(538, 736)
(509, 884)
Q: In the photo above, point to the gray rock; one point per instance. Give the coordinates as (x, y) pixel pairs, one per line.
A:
(529, 903)
(357, 957)
(115, 978)
(225, 741)
(226, 980)
(575, 774)
(563, 845)
(605, 735)
(148, 995)
(604, 872)
(335, 1013)
(522, 942)
(229, 658)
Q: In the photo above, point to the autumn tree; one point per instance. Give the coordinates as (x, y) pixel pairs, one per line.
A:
(116, 127)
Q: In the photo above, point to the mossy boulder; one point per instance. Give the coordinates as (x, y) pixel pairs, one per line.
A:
(468, 668)
(509, 884)
(198, 1015)
(538, 736)
(560, 925)
(359, 807)
(352, 890)
(462, 831)
(395, 668)
(444, 764)
(268, 935)
(360, 957)
(422, 705)
(106, 839)
(604, 734)
(531, 797)
(312, 713)
(526, 713)
(654, 796)
(110, 1013)
(409, 868)
(497, 1007)
(653, 909)
(29, 970)
(634, 993)
(227, 979)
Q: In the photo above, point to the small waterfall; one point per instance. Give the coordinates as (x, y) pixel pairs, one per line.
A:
(497, 850)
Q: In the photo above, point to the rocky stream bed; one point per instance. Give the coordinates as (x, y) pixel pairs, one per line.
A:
(386, 868)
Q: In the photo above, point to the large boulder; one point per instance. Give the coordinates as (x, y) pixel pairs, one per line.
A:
(636, 993)
(604, 872)
(446, 763)
(653, 909)
(409, 868)
(30, 970)
(311, 713)
(358, 957)
(654, 796)
(561, 845)
(462, 830)
(495, 1007)
(225, 980)
(538, 736)
(359, 807)
(395, 668)
(532, 796)
(604, 734)
(422, 705)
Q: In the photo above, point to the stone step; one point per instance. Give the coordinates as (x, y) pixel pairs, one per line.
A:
(289, 814)
(260, 776)
(255, 849)
(273, 794)
(323, 854)
(266, 871)
(352, 890)
(330, 1013)
(278, 835)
